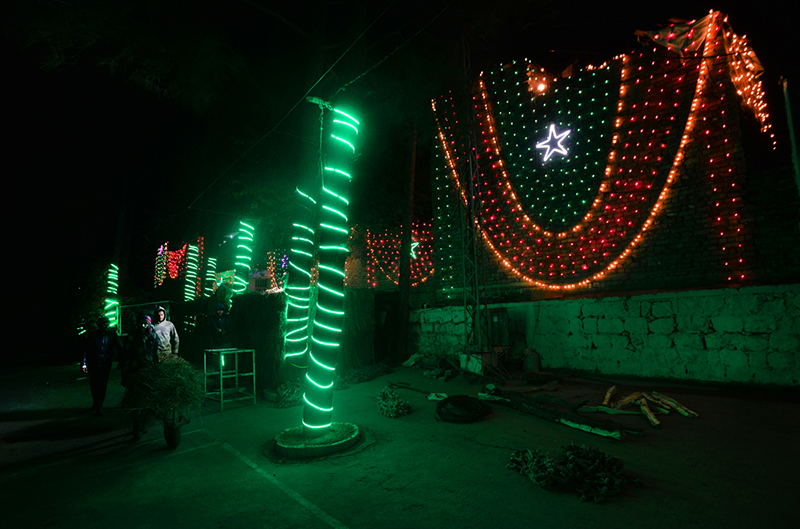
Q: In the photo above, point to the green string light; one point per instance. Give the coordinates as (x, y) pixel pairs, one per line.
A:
(334, 232)
(242, 262)
(211, 279)
(111, 304)
(298, 285)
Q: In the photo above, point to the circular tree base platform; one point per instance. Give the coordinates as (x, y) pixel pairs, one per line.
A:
(293, 443)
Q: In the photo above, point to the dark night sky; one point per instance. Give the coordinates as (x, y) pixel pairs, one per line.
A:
(96, 162)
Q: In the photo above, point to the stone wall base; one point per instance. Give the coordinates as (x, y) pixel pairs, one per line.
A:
(749, 335)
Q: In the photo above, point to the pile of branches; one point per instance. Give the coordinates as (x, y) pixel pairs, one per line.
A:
(390, 405)
(290, 394)
(163, 387)
(593, 474)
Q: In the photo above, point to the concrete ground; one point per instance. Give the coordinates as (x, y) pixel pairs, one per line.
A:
(736, 465)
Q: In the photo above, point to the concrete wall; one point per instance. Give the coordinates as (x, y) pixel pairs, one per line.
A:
(748, 335)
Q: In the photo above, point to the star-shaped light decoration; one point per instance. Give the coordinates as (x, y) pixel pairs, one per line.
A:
(554, 138)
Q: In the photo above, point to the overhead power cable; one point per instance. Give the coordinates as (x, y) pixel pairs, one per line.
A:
(302, 98)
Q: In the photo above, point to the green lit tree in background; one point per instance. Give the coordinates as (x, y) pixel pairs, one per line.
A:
(111, 302)
(244, 256)
(298, 285)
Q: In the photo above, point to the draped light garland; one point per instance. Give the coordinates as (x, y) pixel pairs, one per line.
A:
(570, 220)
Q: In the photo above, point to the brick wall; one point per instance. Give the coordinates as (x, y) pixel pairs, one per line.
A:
(748, 335)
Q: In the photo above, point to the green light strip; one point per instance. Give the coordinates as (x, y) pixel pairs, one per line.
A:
(333, 249)
(304, 228)
(112, 287)
(326, 344)
(323, 309)
(332, 291)
(334, 270)
(336, 211)
(346, 123)
(354, 120)
(297, 297)
(301, 252)
(334, 228)
(320, 426)
(318, 384)
(242, 279)
(314, 405)
(318, 324)
(296, 317)
(338, 171)
(337, 196)
(320, 363)
(299, 269)
(304, 351)
(344, 141)
(303, 194)
(211, 269)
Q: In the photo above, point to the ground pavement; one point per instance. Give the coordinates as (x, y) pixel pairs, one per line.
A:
(736, 465)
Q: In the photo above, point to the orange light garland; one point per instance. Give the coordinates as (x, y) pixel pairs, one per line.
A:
(635, 185)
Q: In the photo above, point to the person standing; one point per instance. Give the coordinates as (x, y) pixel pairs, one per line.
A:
(219, 327)
(166, 334)
(140, 351)
(99, 350)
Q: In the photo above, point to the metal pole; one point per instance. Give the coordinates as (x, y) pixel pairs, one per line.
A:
(793, 142)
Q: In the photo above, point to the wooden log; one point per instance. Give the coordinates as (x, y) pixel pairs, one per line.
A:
(660, 407)
(610, 393)
(627, 400)
(587, 424)
(674, 404)
(648, 413)
(606, 409)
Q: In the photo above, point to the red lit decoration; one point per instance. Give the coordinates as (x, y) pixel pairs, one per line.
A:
(383, 254)
(172, 264)
(570, 222)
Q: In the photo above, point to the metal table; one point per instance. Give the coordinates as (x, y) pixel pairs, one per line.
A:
(230, 364)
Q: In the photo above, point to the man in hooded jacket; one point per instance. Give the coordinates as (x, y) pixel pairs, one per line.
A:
(166, 334)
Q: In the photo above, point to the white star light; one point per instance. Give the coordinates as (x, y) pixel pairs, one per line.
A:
(553, 138)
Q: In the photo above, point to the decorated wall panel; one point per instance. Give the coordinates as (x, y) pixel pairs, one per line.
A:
(628, 175)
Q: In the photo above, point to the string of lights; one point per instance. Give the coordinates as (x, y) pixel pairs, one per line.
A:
(383, 252)
(298, 285)
(568, 221)
(244, 256)
(333, 233)
(111, 303)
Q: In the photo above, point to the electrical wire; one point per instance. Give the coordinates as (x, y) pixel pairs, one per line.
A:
(302, 98)
(396, 49)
